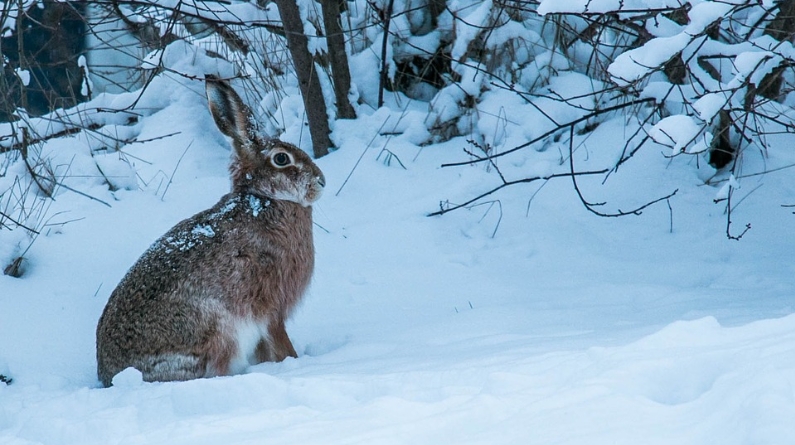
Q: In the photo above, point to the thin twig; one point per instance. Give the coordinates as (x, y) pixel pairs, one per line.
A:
(171, 178)
(729, 219)
(377, 133)
(491, 205)
(729, 208)
(670, 216)
(19, 224)
(590, 206)
(86, 195)
(444, 210)
(570, 124)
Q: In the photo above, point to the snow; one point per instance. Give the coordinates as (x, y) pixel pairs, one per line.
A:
(24, 76)
(728, 187)
(525, 319)
(637, 63)
(676, 131)
(557, 6)
(256, 205)
(128, 378)
(709, 105)
(478, 15)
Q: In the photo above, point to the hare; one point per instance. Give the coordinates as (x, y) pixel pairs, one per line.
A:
(211, 296)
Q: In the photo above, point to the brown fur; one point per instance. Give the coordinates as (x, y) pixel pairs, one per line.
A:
(184, 309)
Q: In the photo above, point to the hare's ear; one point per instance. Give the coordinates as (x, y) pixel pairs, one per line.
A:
(231, 115)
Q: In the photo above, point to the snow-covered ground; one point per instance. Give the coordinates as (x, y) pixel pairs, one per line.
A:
(528, 320)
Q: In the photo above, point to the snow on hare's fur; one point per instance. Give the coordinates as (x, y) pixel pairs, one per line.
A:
(211, 296)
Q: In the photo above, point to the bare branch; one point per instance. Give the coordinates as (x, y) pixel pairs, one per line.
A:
(17, 223)
(590, 206)
(444, 209)
(570, 124)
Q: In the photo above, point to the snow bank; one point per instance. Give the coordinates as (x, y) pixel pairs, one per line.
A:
(691, 383)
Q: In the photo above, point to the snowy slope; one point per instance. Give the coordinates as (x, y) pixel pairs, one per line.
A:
(561, 327)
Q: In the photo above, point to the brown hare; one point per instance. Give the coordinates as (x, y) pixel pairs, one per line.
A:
(211, 296)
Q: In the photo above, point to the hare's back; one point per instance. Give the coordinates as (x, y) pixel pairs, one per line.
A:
(201, 250)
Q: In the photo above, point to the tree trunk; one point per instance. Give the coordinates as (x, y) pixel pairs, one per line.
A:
(384, 76)
(341, 75)
(308, 81)
(780, 28)
(722, 152)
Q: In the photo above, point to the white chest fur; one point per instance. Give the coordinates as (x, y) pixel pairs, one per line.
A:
(248, 334)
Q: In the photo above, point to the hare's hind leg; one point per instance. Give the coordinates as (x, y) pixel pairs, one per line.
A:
(172, 367)
(282, 345)
(213, 361)
(277, 346)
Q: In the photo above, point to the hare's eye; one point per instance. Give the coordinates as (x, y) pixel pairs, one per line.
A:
(281, 159)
